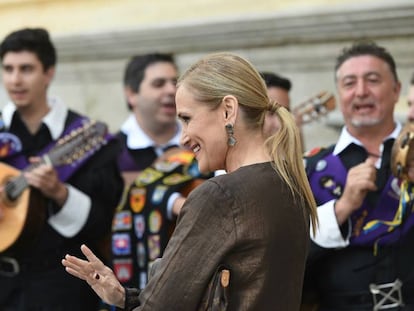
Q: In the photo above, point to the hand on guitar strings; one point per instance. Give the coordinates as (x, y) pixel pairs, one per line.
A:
(100, 277)
(45, 178)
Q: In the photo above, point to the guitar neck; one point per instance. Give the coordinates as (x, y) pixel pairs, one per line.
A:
(315, 107)
(77, 145)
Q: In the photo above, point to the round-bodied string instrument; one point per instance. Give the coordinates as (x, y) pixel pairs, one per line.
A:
(400, 154)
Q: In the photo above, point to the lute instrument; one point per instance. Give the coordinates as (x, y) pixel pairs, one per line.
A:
(400, 154)
(22, 209)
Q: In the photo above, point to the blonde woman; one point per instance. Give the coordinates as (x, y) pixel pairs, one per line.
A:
(241, 238)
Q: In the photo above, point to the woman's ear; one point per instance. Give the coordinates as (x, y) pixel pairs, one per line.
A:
(230, 107)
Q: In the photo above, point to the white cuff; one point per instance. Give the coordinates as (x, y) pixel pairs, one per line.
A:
(328, 233)
(73, 215)
(170, 204)
(219, 172)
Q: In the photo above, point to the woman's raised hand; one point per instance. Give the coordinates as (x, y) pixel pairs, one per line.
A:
(100, 277)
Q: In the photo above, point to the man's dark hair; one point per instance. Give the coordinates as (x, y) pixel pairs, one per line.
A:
(362, 48)
(274, 80)
(35, 40)
(412, 79)
(135, 69)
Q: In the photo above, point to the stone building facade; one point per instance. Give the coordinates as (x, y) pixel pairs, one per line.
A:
(297, 40)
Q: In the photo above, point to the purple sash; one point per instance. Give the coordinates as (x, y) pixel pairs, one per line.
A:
(369, 224)
(126, 162)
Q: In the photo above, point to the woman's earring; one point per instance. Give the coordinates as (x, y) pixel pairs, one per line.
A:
(231, 141)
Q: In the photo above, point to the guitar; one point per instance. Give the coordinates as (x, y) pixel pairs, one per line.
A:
(22, 209)
(401, 150)
(314, 107)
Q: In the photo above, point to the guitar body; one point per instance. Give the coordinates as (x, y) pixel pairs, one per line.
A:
(401, 153)
(21, 219)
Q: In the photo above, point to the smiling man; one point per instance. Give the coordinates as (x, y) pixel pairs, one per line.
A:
(362, 252)
(151, 127)
(76, 201)
(158, 173)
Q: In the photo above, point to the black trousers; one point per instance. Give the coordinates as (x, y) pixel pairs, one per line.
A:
(50, 290)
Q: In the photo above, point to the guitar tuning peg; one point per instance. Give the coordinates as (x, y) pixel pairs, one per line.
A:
(78, 155)
(315, 107)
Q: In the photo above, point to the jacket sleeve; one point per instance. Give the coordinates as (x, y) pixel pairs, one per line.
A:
(204, 234)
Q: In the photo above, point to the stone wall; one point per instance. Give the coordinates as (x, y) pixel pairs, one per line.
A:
(298, 43)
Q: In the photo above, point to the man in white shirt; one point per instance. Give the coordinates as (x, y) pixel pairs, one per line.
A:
(158, 173)
(362, 251)
(73, 192)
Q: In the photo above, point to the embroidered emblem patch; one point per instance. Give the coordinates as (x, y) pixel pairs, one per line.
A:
(142, 279)
(122, 221)
(328, 183)
(184, 157)
(165, 166)
(147, 176)
(193, 170)
(175, 179)
(141, 255)
(158, 194)
(137, 199)
(139, 226)
(154, 246)
(321, 165)
(9, 144)
(154, 221)
(313, 152)
(121, 244)
(123, 269)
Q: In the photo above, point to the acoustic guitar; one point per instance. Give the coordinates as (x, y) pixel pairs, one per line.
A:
(400, 154)
(22, 209)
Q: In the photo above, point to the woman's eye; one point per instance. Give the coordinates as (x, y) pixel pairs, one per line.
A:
(184, 119)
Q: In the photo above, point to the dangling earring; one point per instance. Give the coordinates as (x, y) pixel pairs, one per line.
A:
(231, 141)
